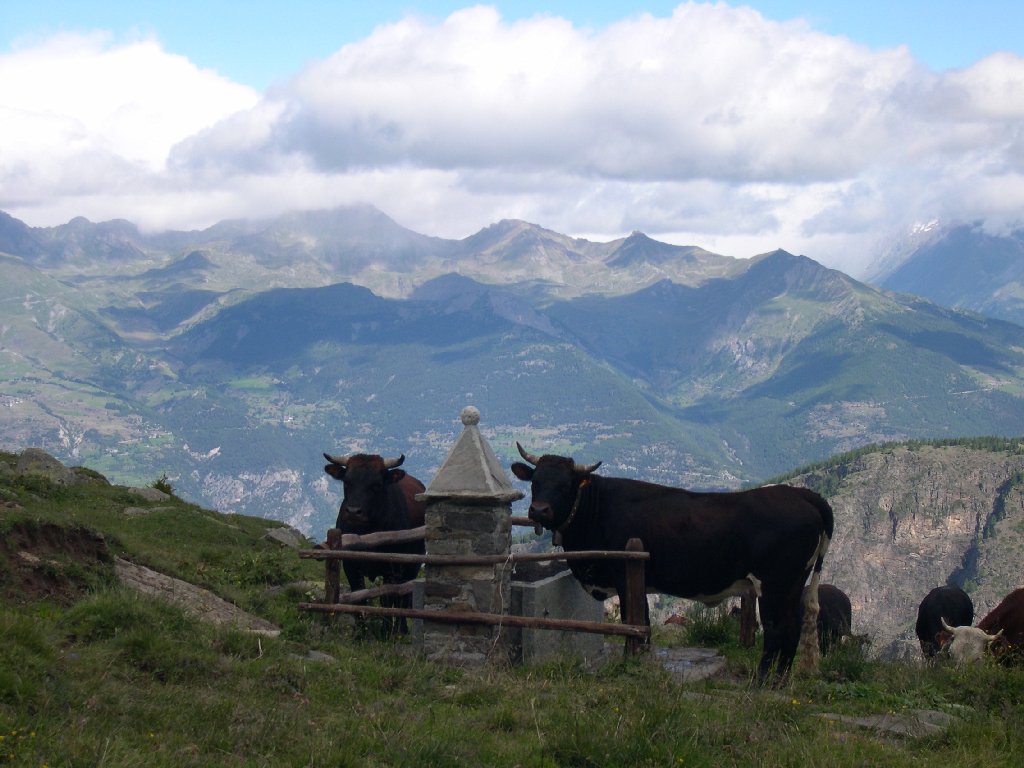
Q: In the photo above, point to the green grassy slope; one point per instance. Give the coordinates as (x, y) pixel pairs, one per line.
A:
(91, 674)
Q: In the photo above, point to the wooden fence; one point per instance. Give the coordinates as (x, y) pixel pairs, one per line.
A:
(340, 547)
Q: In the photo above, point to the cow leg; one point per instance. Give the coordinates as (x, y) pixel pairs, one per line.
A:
(353, 575)
(771, 633)
(630, 612)
(356, 582)
(780, 619)
(396, 625)
(391, 625)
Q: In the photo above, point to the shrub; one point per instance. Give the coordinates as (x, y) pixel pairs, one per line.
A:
(162, 483)
(846, 661)
(711, 627)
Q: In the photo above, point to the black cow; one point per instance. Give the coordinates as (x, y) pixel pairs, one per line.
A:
(835, 616)
(703, 546)
(378, 497)
(949, 603)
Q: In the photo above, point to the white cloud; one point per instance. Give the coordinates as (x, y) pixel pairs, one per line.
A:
(714, 127)
(82, 116)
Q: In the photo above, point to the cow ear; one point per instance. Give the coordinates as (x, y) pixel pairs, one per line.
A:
(336, 471)
(396, 475)
(522, 471)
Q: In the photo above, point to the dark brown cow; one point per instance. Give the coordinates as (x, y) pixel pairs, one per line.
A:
(835, 616)
(1006, 621)
(378, 497)
(703, 546)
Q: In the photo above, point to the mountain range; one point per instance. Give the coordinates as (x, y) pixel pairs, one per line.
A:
(229, 359)
(965, 267)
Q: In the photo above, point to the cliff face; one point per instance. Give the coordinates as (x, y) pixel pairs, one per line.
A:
(910, 519)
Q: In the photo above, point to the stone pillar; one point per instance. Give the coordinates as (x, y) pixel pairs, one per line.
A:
(469, 506)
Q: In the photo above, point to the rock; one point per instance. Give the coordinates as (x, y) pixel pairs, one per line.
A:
(150, 494)
(86, 475)
(287, 537)
(690, 664)
(36, 461)
(140, 511)
(317, 656)
(924, 722)
(196, 600)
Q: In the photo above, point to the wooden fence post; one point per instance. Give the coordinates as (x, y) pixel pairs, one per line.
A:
(748, 618)
(332, 580)
(332, 569)
(634, 608)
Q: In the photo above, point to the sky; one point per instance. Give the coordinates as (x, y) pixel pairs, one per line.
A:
(830, 129)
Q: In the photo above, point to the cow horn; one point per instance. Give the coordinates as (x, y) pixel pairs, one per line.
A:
(528, 456)
(342, 460)
(945, 625)
(586, 469)
(392, 463)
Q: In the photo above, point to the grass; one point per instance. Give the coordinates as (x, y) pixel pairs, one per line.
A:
(98, 675)
(122, 680)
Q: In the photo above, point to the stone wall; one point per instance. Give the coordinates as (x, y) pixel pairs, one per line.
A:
(459, 528)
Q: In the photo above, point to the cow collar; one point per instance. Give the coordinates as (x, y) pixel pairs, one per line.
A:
(575, 506)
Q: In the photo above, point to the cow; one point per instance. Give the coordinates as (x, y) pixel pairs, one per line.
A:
(378, 496)
(967, 644)
(835, 616)
(950, 604)
(703, 546)
(1001, 632)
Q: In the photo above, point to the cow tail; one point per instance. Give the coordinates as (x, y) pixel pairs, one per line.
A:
(809, 650)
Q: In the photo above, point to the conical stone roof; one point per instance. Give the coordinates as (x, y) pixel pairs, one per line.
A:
(471, 471)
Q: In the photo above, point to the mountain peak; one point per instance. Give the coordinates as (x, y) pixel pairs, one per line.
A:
(516, 238)
(638, 248)
(18, 239)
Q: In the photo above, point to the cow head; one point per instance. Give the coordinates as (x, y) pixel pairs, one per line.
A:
(365, 479)
(554, 484)
(968, 644)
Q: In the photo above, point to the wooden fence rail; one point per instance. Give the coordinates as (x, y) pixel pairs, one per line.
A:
(519, 557)
(351, 547)
(493, 619)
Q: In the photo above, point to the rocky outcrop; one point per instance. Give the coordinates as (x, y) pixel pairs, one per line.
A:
(196, 600)
(35, 461)
(910, 519)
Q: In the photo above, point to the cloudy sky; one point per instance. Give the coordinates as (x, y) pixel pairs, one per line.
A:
(825, 128)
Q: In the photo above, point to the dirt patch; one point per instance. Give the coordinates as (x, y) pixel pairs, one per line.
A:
(45, 561)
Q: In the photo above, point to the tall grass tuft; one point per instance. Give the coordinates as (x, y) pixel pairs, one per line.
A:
(26, 652)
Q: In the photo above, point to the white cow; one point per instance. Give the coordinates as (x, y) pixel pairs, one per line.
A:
(969, 644)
